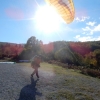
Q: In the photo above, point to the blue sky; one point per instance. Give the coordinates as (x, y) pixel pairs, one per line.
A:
(17, 22)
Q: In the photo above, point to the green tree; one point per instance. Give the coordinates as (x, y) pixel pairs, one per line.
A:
(32, 47)
(80, 58)
(64, 55)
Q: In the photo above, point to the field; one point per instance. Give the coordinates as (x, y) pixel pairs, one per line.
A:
(57, 83)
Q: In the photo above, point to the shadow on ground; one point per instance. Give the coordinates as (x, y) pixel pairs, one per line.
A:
(29, 92)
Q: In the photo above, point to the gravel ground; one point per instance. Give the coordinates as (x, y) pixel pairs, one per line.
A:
(16, 84)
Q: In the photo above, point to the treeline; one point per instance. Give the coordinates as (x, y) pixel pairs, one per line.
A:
(10, 50)
(77, 53)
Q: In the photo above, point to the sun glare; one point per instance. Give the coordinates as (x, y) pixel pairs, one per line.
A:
(47, 19)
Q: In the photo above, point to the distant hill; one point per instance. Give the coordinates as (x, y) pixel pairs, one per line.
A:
(3, 43)
(10, 49)
(73, 52)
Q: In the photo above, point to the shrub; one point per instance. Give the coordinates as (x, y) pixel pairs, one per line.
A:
(91, 72)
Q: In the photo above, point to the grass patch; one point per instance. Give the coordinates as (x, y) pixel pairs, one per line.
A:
(81, 96)
(67, 95)
(59, 70)
(60, 95)
(68, 84)
(25, 64)
(87, 89)
(52, 67)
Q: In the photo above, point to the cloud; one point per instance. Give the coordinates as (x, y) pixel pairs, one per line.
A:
(87, 38)
(90, 30)
(83, 33)
(91, 23)
(98, 39)
(82, 19)
(87, 30)
(77, 36)
(97, 28)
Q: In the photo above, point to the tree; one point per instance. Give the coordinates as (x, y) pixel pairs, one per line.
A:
(79, 57)
(64, 55)
(32, 47)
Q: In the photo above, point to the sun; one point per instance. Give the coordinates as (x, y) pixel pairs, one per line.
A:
(47, 19)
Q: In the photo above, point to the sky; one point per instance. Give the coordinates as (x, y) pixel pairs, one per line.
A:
(21, 19)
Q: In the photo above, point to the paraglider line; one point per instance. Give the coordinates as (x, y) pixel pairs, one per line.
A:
(37, 3)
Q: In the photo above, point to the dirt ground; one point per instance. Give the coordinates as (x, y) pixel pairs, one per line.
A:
(55, 83)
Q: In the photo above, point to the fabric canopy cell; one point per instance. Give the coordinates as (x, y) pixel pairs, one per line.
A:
(65, 8)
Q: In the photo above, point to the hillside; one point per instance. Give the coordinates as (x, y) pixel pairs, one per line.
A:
(77, 53)
(3, 43)
(10, 49)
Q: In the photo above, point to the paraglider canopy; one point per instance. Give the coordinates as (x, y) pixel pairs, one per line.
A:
(65, 8)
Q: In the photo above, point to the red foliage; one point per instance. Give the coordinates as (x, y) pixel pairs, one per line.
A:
(82, 49)
(47, 47)
(12, 50)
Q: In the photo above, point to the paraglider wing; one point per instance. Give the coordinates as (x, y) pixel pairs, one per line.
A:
(65, 8)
